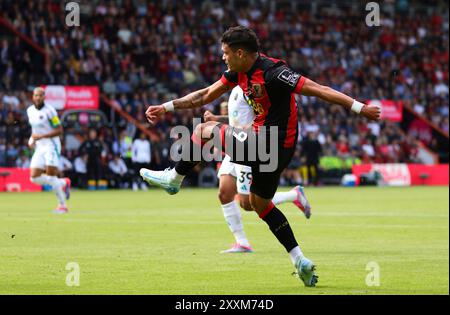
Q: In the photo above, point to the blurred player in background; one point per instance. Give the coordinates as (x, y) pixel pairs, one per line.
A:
(235, 179)
(46, 129)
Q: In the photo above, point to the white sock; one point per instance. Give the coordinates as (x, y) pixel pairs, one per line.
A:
(174, 176)
(57, 185)
(281, 197)
(40, 180)
(295, 253)
(232, 215)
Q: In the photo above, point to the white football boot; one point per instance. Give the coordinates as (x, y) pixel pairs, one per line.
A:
(163, 179)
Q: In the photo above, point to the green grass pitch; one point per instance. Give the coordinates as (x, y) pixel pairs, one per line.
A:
(151, 243)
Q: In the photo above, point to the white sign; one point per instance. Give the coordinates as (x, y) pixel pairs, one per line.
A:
(394, 174)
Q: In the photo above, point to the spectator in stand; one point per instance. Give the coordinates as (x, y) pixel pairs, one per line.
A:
(23, 161)
(2, 152)
(80, 168)
(119, 172)
(311, 151)
(141, 157)
(162, 151)
(122, 146)
(94, 149)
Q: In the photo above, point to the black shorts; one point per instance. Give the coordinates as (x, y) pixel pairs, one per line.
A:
(266, 156)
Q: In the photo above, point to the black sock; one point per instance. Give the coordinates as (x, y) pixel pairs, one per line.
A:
(280, 227)
(184, 167)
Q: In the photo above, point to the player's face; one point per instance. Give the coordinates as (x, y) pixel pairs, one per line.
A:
(38, 98)
(233, 59)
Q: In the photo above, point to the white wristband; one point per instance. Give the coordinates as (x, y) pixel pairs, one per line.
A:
(357, 106)
(168, 106)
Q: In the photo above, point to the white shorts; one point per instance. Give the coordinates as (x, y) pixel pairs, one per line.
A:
(242, 173)
(43, 157)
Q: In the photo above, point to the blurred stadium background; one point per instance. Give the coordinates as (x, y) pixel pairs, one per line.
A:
(129, 54)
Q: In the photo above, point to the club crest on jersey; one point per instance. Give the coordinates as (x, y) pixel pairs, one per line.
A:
(257, 90)
(41, 117)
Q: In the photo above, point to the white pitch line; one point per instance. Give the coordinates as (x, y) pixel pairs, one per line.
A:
(176, 212)
(222, 222)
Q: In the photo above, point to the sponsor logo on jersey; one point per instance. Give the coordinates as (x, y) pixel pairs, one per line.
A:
(257, 107)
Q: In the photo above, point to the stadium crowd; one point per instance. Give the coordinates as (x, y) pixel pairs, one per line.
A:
(142, 53)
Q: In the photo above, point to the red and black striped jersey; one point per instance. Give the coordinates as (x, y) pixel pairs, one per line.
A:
(269, 87)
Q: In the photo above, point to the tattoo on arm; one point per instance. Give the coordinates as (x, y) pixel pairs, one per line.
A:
(202, 97)
(192, 100)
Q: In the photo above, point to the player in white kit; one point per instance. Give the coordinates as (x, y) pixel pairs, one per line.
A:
(46, 129)
(235, 179)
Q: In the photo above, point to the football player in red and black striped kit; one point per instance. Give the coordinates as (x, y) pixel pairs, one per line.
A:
(269, 86)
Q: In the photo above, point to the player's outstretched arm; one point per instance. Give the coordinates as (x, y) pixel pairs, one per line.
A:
(311, 88)
(192, 100)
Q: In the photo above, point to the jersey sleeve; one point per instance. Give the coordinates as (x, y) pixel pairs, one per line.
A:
(53, 118)
(284, 78)
(229, 78)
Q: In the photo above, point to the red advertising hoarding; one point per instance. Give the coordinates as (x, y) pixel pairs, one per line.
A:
(407, 174)
(72, 97)
(16, 179)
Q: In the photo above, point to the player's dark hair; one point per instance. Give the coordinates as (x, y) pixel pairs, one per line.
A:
(241, 37)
